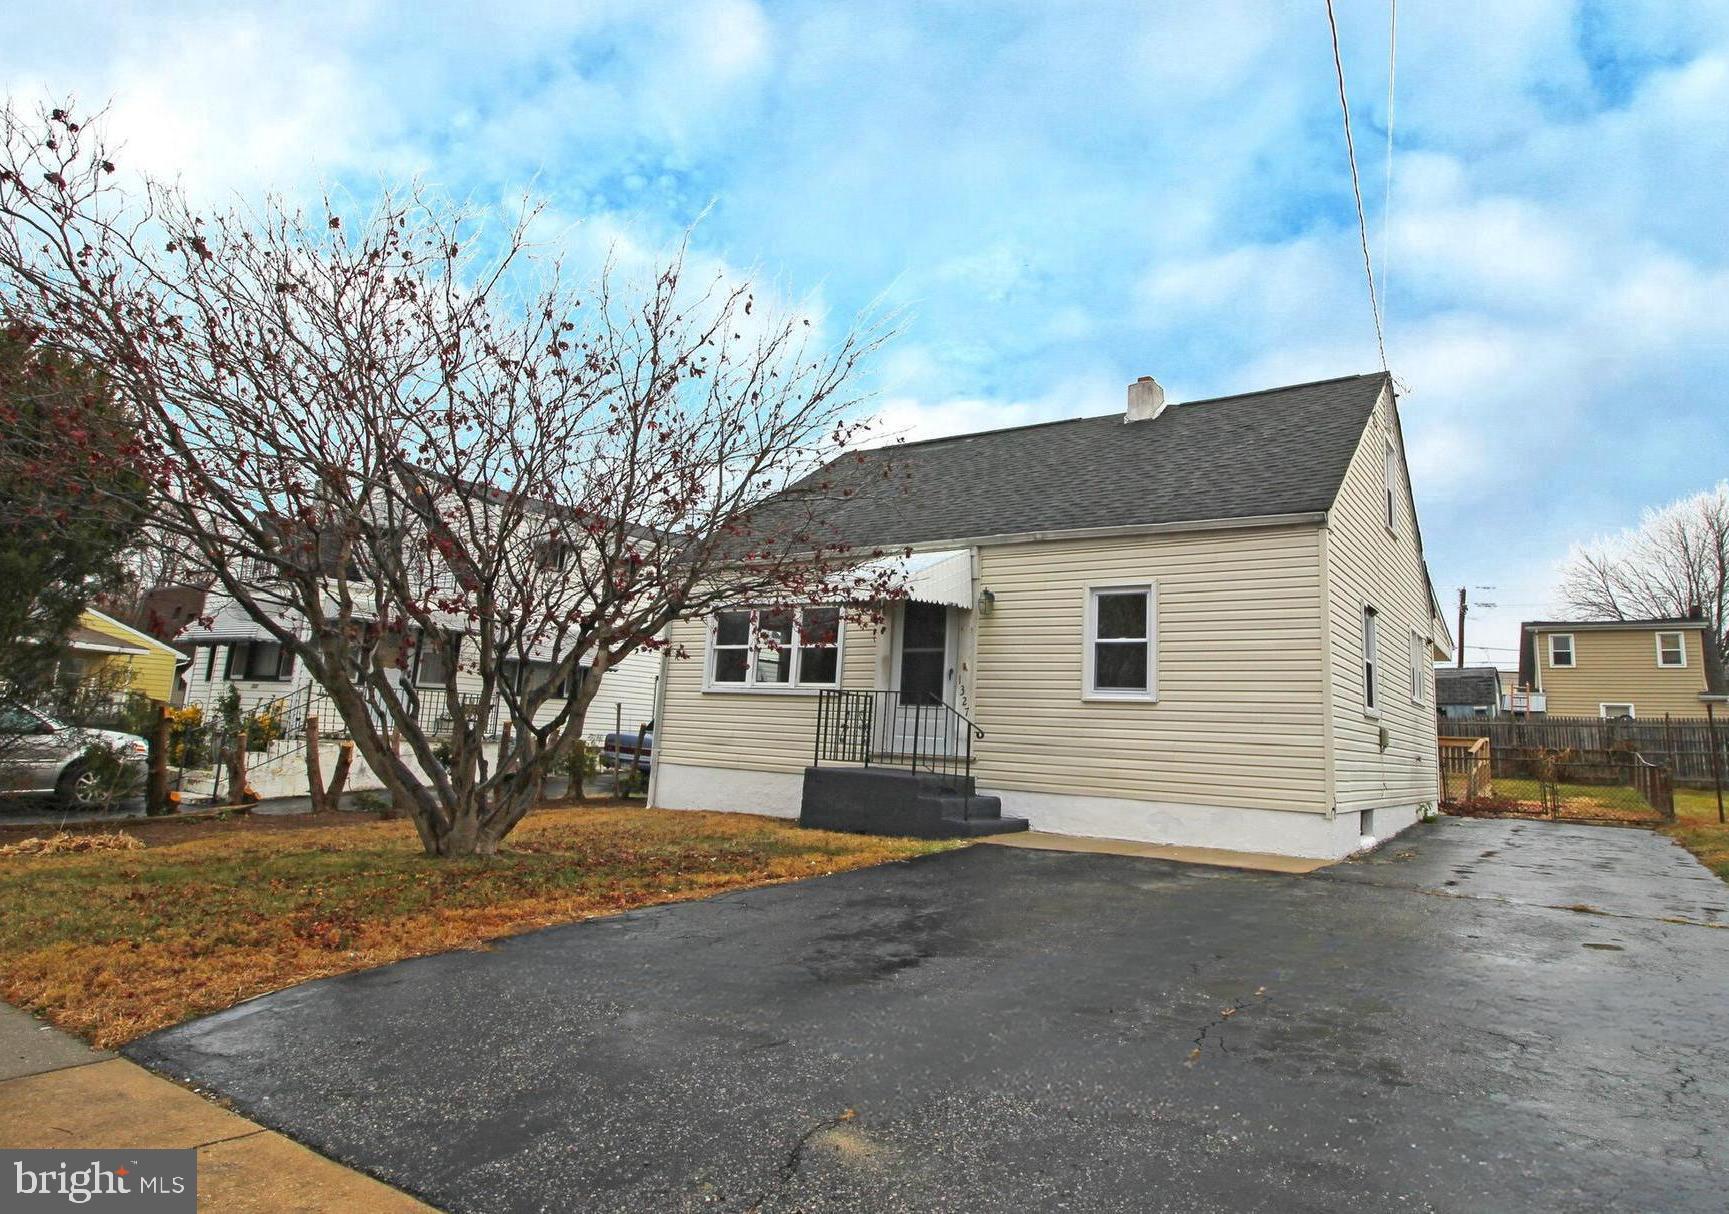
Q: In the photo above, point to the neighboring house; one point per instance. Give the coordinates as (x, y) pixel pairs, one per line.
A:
(1463, 692)
(233, 650)
(136, 662)
(1622, 668)
(1208, 624)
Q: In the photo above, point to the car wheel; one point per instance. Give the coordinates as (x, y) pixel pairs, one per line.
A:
(79, 787)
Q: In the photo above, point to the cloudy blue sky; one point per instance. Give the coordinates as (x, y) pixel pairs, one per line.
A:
(1062, 197)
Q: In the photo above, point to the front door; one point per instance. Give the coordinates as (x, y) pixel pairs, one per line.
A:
(921, 722)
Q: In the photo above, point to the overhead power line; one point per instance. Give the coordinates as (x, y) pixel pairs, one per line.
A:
(1357, 187)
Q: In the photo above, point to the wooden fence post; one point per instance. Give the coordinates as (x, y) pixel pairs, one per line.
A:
(1716, 756)
(156, 776)
(237, 768)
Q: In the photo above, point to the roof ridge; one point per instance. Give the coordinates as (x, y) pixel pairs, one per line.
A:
(1093, 417)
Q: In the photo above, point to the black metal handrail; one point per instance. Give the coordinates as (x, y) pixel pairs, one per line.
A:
(892, 728)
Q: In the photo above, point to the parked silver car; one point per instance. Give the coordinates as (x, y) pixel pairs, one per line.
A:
(41, 756)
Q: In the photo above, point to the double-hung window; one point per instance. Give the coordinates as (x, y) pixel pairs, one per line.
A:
(774, 648)
(1371, 661)
(1561, 649)
(1416, 660)
(1121, 661)
(1671, 649)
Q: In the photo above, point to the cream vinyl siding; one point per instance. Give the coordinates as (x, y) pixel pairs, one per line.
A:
(747, 730)
(1619, 666)
(1238, 718)
(1368, 564)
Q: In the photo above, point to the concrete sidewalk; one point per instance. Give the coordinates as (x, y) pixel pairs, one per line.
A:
(57, 1092)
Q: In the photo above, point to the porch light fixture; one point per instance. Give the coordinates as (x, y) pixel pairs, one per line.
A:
(987, 601)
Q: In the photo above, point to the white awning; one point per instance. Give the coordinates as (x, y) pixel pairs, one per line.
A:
(944, 578)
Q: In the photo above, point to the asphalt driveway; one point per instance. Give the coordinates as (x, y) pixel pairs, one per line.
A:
(1486, 1016)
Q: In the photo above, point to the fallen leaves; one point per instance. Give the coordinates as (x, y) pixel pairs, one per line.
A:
(66, 842)
(129, 938)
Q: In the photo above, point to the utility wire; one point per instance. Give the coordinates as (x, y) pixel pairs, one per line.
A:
(1357, 187)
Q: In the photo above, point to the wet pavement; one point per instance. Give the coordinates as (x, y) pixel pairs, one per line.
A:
(1486, 1015)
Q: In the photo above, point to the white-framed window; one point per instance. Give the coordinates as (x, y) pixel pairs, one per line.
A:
(1120, 661)
(1390, 484)
(1671, 649)
(1371, 661)
(526, 676)
(775, 648)
(1616, 712)
(1415, 657)
(429, 665)
(1561, 649)
(259, 661)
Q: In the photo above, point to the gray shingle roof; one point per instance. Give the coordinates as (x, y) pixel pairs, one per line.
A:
(1280, 451)
(1469, 686)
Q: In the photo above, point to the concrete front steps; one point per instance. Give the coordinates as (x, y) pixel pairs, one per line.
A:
(888, 801)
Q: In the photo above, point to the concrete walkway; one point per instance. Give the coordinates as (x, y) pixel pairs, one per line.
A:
(57, 1092)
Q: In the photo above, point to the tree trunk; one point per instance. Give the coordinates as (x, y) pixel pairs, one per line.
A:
(314, 770)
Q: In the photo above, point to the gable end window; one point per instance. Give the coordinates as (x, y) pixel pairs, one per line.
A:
(1671, 649)
(1390, 484)
(1371, 661)
(1121, 656)
(1561, 649)
(774, 648)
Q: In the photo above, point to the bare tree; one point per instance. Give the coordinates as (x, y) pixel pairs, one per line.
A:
(1676, 560)
(407, 430)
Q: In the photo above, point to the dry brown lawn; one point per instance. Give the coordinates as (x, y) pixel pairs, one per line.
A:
(112, 944)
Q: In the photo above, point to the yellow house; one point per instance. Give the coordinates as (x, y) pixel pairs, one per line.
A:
(141, 663)
(1622, 668)
(1206, 624)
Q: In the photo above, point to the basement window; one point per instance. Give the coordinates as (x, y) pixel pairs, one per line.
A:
(1616, 712)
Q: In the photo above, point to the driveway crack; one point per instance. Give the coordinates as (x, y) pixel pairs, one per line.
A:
(789, 1167)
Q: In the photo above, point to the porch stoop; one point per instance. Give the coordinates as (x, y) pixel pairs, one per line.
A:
(921, 805)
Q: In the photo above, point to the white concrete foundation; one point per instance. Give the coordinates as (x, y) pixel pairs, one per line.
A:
(1233, 828)
(1276, 832)
(679, 786)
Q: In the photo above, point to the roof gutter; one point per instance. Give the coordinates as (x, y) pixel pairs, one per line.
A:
(1309, 518)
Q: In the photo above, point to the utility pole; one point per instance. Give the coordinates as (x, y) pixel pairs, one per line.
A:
(1462, 610)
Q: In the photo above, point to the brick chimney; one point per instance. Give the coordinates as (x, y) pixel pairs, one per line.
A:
(1146, 400)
